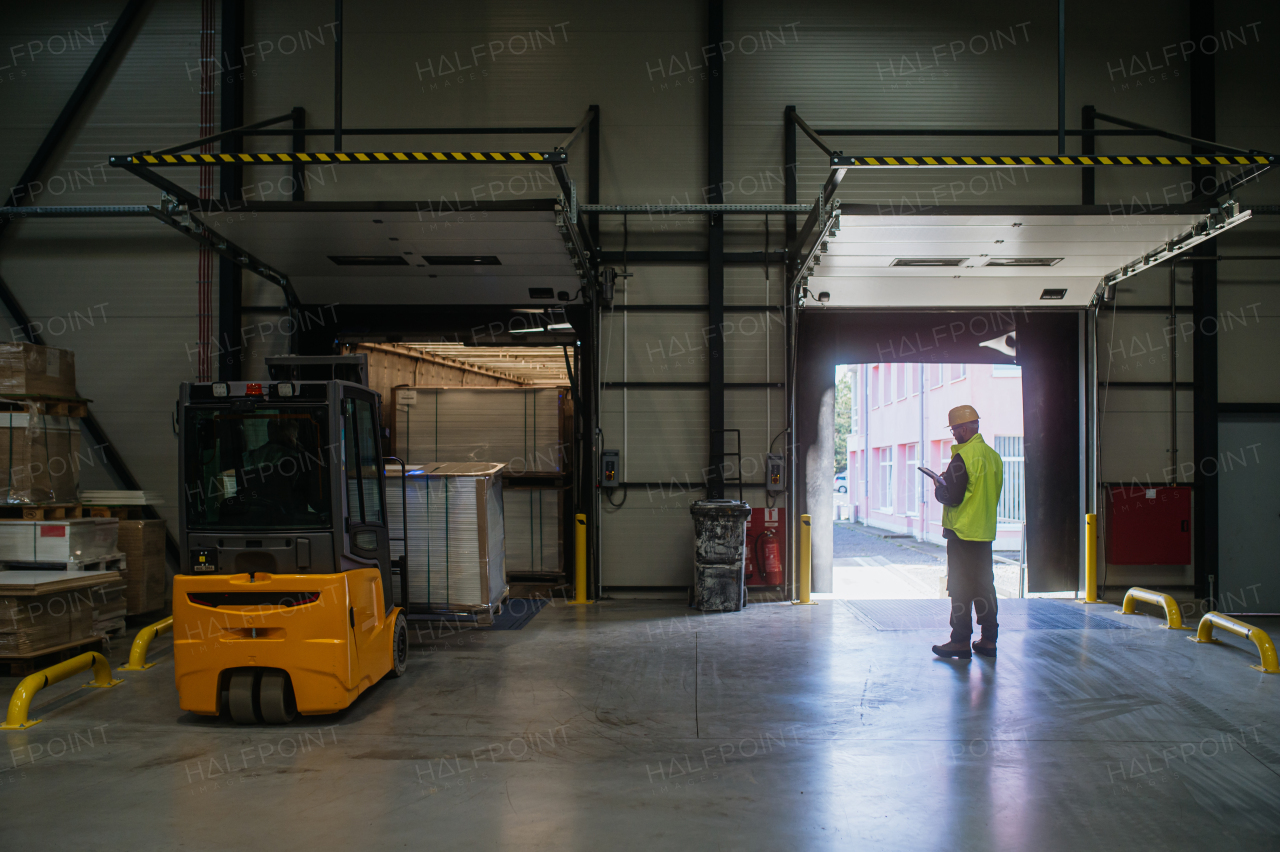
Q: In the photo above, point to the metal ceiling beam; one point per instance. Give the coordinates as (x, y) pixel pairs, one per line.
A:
(962, 161)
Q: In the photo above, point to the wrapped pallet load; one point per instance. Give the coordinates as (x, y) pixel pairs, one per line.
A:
(528, 430)
(39, 434)
(456, 537)
(42, 453)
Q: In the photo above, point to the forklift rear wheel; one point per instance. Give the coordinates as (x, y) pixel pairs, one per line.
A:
(242, 696)
(276, 699)
(400, 646)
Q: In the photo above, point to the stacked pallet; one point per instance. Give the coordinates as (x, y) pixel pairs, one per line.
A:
(528, 431)
(43, 612)
(47, 539)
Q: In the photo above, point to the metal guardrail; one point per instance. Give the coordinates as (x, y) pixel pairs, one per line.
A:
(1266, 648)
(1172, 612)
(20, 704)
(141, 642)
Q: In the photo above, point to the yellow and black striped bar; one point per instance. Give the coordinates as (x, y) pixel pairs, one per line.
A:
(344, 157)
(844, 162)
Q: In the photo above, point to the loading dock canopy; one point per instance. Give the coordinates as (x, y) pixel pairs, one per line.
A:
(1001, 259)
(409, 253)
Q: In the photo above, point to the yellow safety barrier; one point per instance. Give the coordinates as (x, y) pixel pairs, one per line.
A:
(20, 704)
(1172, 613)
(803, 580)
(1091, 559)
(1266, 648)
(138, 653)
(580, 566)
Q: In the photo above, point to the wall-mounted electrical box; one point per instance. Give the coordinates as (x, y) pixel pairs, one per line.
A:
(610, 469)
(1149, 526)
(774, 477)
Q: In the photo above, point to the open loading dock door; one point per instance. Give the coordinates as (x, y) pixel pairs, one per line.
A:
(410, 253)
(968, 285)
(479, 300)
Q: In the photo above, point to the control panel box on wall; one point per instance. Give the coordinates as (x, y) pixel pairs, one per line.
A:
(610, 469)
(774, 478)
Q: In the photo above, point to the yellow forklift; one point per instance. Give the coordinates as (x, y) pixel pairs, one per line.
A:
(282, 604)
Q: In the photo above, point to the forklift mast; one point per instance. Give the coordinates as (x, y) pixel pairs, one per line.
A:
(282, 477)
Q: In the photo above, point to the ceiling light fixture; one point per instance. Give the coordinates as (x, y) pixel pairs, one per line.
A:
(928, 261)
(368, 260)
(1024, 261)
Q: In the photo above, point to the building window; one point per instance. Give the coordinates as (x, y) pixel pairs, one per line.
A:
(901, 385)
(875, 387)
(886, 479)
(1013, 501)
(935, 375)
(958, 371)
(1006, 371)
(910, 479)
(887, 390)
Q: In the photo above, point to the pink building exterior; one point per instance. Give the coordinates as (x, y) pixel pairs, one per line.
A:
(897, 409)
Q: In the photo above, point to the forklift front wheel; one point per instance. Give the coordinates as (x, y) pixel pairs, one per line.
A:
(242, 695)
(400, 646)
(275, 697)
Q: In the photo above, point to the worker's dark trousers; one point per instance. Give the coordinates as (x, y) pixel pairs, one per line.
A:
(971, 583)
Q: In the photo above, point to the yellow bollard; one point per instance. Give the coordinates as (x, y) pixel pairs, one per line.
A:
(580, 555)
(1091, 560)
(20, 704)
(1266, 648)
(141, 642)
(1172, 612)
(803, 580)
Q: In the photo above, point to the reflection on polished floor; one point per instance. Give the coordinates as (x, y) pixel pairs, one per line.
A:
(642, 725)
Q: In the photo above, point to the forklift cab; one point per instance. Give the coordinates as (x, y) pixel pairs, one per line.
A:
(286, 558)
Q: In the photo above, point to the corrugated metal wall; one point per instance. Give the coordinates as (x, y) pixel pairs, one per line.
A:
(843, 64)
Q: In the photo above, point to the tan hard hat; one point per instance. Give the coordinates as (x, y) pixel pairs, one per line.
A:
(961, 414)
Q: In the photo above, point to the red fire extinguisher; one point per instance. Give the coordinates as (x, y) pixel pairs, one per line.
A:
(768, 558)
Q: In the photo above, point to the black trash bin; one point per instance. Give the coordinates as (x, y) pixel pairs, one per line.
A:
(720, 554)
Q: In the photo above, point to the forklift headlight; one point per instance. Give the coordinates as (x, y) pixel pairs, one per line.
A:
(219, 388)
(284, 389)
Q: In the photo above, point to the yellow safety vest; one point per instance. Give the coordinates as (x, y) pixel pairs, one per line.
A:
(975, 518)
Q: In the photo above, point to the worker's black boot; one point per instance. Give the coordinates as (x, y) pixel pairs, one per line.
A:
(986, 646)
(954, 649)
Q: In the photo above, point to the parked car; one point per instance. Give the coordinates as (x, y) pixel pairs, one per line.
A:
(842, 483)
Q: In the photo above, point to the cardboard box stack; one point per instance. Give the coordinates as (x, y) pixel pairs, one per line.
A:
(142, 542)
(31, 623)
(39, 443)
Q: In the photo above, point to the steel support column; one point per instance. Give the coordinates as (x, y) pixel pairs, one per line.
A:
(230, 180)
(1204, 285)
(715, 249)
(593, 171)
(1087, 146)
(789, 188)
(299, 146)
(1062, 76)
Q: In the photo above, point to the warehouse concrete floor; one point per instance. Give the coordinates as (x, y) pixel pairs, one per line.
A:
(639, 725)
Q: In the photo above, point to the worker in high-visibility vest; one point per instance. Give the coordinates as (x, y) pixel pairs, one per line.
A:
(969, 490)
